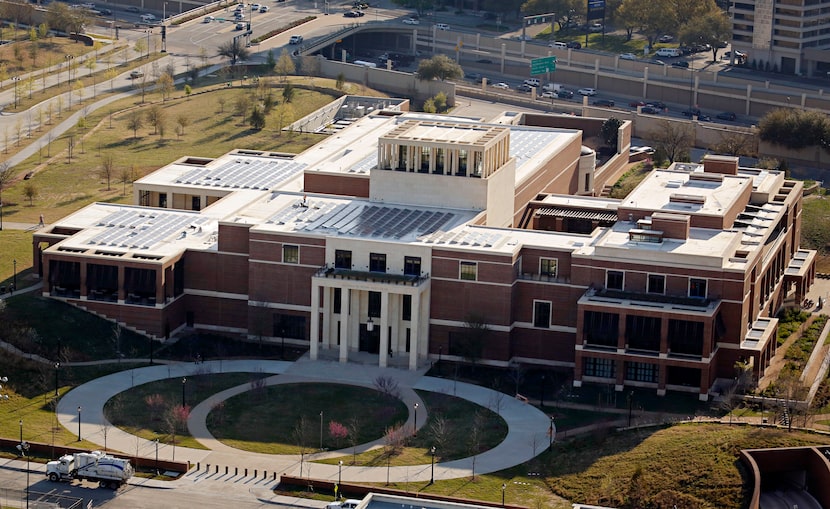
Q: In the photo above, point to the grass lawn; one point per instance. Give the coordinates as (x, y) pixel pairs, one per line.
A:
(131, 411)
(448, 429)
(629, 181)
(40, 325)
(16, 245)
(815, 227)
(212, 128)
(280, 419)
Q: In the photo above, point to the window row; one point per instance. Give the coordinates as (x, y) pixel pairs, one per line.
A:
(377, 262)
(655, 284)
(374, 304)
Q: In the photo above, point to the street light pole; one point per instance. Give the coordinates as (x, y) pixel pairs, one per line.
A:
(157, 454)
(14, 280)
(57, 367)
(415, 421)
(79, 423)
(550, 433)
(432, 468)
(21, 431)
(184, 382)
(337, 488)
(321, 430)
(503, 487)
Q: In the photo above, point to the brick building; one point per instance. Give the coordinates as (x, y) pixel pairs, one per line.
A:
(411, 236)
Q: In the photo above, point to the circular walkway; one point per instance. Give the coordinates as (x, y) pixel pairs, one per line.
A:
(528, 428)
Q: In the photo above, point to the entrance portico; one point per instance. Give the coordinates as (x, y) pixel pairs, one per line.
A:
(372, 312)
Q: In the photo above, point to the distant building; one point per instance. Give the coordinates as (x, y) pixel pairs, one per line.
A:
(412, 236)
(791, 36)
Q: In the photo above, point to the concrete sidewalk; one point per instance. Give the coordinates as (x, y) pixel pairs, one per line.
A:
(527, 435)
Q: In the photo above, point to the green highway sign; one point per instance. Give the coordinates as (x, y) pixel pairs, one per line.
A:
(542, 65)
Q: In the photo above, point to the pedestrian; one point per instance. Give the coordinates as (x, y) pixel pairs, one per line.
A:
(41, 220)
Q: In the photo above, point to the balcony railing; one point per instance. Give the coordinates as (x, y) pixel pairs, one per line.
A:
(373, 277)
(530, 276)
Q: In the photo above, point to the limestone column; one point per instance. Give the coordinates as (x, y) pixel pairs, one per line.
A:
(346, 296)
(327, 297)
(384, 329)
(414, 336)
(315, 320)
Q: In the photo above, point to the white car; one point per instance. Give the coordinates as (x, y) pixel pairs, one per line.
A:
(348, 504)
(208, 19)
(502, 85)
(295, 39)
(628, 56)
(587, 91)
(645, 148)
(255, 7)
(549, 95)
(411, 21)
(264, 8)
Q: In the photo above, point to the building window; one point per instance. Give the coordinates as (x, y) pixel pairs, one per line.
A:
(548, 267)
(408, 339)
(402, 156)
(697, 288)
(377, 262)
(290, 254)
(338, 296)
(641, 372)
(686, 337)
(374, 304)
(614, 279)
(656, 284)
(412, 265)
(541, 314)
(601, 329)
(195, 203)
(469, 271)
(603, 368)
(342, 259)
(462, 163)
(289, 326)
(643, 332)
(424, 160)
(439, 160)
(144, 198)
(406, 312)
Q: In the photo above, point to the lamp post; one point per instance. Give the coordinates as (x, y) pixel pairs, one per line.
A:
(157, 454)
(21, 431)
(3, 379)
(79, 423)
(17, 79)
(184, 382)
(432, 468)
(14, 279)
(57, 367)
(339, 468)
(542, 397)
(630, 406)
(149, 31)
(69, 59)
(23, 447)
(550, 434)
(415, 421)
(321, 430)
(503, 487)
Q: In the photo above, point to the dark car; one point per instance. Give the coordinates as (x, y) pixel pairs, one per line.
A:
(727, 115)
(524, 87)
(574, 45)
(608, 103)
(353, 14)
(650, 110)
(484, 61)
(680, 63)
(564, 94)
(635, 104)
(657, 104)
(132, 8)
(694, 112)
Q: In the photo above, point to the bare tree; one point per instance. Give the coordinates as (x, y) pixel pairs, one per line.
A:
(673, 139)
(30, 191)
(354, 436)
(6, 175)
(387, 386)
(155, 117)
(474, 437)
(135, 122)
(124, 177)
(300, 434)
(108, 169)
(736, 144)
(439, 430)
(517, 375)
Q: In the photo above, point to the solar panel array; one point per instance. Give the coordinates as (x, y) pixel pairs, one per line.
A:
(361, 219)
(128, 229)
(365, 164)
(465, 237)
(525, 143)
(244, 173)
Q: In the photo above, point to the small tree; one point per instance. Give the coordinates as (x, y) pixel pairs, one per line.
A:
(337, 432)
(30, 191)
(241, 105)
(155, 117)
(288, 92)
(285, 65)
(235, 50)
(440, 67)
(164, 84)
(341, 82)
(107, 169)
(673, 139)
(610, 132)
(6, 175)
(135, 122)
(183, 121)
(354, 436)
(257, 118)
(124, 178)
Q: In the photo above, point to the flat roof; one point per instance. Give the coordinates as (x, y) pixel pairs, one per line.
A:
(679, 191)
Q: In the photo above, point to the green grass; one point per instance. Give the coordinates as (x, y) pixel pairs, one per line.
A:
(279, 419)
(39, 325)
(629, 180)
(815, 223)
(130, 411)
(459, 417)
(16, 245)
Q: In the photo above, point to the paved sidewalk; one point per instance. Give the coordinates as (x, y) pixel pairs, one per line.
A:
(527, 435)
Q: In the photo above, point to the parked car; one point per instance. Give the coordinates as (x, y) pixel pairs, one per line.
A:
(524, 87)
(595, 28)
(264, 8)
(348, 504)
(650, 110)
(549, 95)
(473, 76)
(574, 45)
(502, 85)
(727, 115)
(607, 103)
(564, 94)
(681, 64)
(411, 21)
(138, 73)
(295, 39)
(644, 148)
(533, 82)
(665, 38)
(694, 112)
(628, 56)
(656, 104)
(587, 91)
(353, 14)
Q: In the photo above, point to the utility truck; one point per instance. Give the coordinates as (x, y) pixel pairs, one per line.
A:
(109, 471)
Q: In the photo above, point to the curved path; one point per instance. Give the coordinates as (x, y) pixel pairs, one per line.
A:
(526, 438)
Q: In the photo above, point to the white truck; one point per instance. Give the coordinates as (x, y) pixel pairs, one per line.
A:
(551, 87)
(108, 470)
